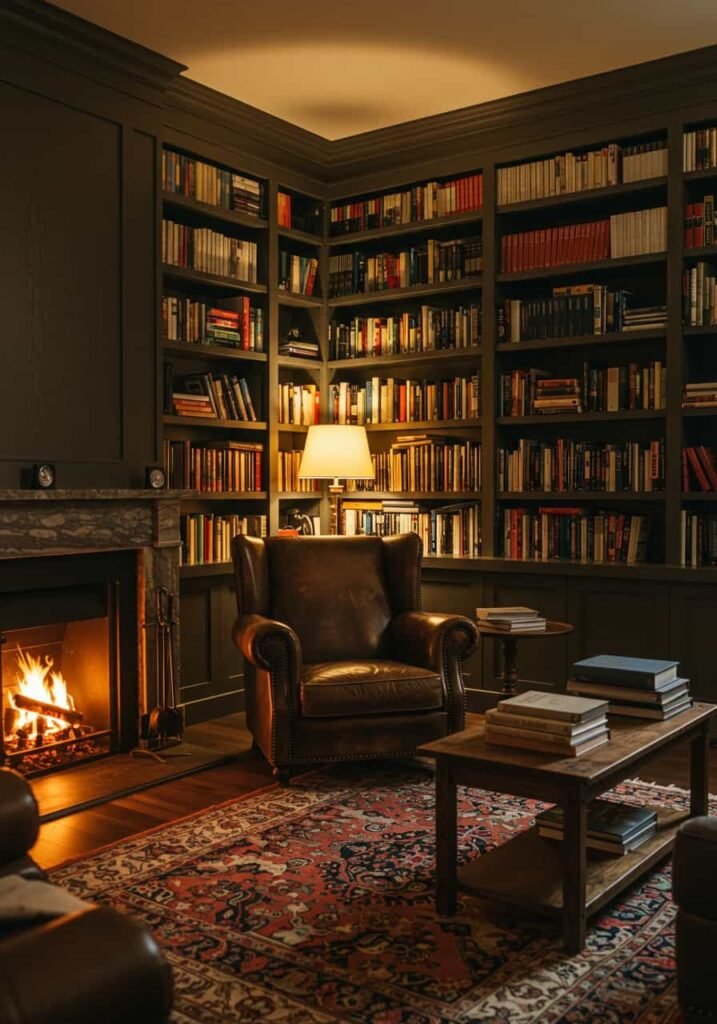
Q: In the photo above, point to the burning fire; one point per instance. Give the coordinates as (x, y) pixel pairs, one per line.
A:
(37, 681)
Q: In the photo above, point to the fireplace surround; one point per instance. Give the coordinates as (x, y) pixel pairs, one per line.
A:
(78, 572)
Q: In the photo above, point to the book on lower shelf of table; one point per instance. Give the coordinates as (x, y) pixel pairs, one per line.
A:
(550, 723)
(634, 687)
(611, 827)
(511, 619)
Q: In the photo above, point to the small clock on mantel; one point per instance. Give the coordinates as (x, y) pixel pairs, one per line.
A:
(43, 476)
(155, 478)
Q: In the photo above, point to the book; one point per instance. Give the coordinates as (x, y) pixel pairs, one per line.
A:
(545, 746)
(553, 705)
(606, 819)
(606, 691)
(542, 725)
(514, 613)
(614, 846)
(643, 711)
(642, 673)
(409, 205)
(519, 626)
(594, 729)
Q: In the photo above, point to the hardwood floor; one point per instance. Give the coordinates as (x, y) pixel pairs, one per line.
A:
(81, 833)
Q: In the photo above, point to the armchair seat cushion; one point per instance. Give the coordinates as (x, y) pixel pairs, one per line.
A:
(344, 688)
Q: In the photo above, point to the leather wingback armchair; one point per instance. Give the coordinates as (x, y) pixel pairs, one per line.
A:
(340, 663)
(81, 968)
(694, 890)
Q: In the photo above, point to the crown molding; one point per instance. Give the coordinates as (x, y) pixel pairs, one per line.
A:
(65, 39)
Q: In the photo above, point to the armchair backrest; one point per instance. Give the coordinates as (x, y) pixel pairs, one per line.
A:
(338, 594)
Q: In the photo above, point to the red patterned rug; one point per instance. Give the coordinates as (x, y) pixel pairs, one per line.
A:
(315, 903)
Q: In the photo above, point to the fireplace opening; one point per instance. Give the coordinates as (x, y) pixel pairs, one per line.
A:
(68, 680)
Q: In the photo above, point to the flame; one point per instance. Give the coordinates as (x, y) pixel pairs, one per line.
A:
(37, 680)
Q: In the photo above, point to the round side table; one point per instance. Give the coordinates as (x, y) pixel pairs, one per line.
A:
(509, 677)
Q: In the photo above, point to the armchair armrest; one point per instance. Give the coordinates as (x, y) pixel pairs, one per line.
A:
(432, 639)
(19, 819)
(269, 645)
(694, 879)
(82, 968)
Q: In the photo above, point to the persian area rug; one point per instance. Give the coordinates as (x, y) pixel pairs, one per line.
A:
(314, 904)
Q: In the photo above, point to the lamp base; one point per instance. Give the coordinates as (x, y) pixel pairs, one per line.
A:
(335, 490)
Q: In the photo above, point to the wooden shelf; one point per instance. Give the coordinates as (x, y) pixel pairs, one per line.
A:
(412, 228)
(300, 495)
(576, 497)
(588, 196)
(705, 329)
(201, 421)
(209, 569)
(423, 425)
(582, 417)
(707, 173)
(228, 285)
(699, 496)
(216, 213)
(587, 341)
(213, 352)
(407, 358)
(299, 362)
(700, 252)
(709, 411)
(418, 291)
(299, 301)
(294, 235)
(597, 266)
(451, 496)
(292, 428)
(190, 495)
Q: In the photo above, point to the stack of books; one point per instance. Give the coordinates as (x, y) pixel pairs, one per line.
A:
(644, 318)
(638, 687)
(700, 396)
(551, 723)
(558, 394)
(511, 619)
(300, 348)
(246, 195)
(612, 827)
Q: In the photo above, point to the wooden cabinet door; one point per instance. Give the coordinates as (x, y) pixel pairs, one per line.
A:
(618, 617)
(693, 629)
(212, 682)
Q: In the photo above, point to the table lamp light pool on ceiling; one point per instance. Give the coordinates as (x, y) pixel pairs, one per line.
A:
(336, 452)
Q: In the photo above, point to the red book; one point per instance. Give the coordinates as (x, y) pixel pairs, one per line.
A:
(698, 470)
(246, 321)
(705, 457)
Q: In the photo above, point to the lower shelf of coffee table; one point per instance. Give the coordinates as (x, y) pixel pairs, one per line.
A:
(528, 870)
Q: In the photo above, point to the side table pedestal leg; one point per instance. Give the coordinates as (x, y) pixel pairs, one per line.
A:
(510, 669)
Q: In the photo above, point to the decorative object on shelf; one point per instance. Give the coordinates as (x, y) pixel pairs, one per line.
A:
(297, 521)
(336, 451)
(154, 477)
(43, 476)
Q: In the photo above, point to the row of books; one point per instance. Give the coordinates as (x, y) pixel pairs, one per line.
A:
(700, 223)
(427, 330)
(701, 395)
(449, 531)
(392, 400)
(549, 723)
(575, 311)
(699, 295)
(209, 252)
(218, 396)
(572, 534)
(698, 534)
(207, 538)
(419, 462)
(299, 404)
(624, 234)
(198, 323)
(187, 176)
(699, 149)
(430, 262)
(287, 467)
(594, 467)
(213, 468)
(633, 687)
(410, 205)
(577, 172)
(699, 469)
(297, 274)
(528, 392)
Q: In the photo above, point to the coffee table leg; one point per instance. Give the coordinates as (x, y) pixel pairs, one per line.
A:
(510, 666)
(699, 773)
(574, 915)
(446, 842)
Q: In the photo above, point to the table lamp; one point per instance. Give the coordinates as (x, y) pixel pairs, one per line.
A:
(334, 451)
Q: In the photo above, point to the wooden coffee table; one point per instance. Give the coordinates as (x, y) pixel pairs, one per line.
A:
(541, 874)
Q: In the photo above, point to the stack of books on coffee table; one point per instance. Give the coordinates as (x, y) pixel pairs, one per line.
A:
(548, 722)
(511, 619)
(612, 827)
(637, 687)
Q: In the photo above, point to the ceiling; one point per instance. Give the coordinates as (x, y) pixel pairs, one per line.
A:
(339, 68)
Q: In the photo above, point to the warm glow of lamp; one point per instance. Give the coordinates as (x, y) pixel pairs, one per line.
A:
(336, 452)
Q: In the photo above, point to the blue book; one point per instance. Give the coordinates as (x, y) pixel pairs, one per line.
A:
(642, 673)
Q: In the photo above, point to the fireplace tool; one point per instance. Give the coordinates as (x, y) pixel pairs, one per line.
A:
(164, 725)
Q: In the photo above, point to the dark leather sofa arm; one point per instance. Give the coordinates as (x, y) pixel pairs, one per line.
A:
(95, 965)
(19, 817)
(269, 645)
(694, 878)
(429, 639)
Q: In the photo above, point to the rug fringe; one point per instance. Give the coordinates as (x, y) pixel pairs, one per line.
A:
(670, 787)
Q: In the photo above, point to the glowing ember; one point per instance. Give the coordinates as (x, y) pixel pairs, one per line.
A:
(37, 681)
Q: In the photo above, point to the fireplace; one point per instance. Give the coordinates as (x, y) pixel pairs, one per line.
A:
(68, 659)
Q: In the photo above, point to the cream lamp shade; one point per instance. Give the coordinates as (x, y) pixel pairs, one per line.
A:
(334, 451)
